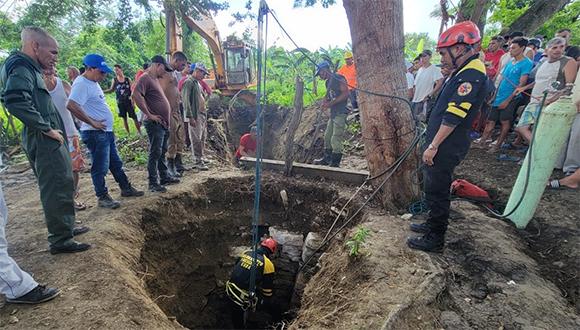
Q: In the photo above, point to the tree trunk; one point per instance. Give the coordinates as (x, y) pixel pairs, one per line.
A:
(294, 123)
(376, 28)
(538, 13)
(475, 11)
(478, 16)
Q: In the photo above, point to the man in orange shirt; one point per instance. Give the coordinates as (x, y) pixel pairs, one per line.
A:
(349, 72)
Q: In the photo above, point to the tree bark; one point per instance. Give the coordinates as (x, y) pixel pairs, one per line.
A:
(478, 16)
(475, 11)
(538, 13)
(298, 107)
(376, 28)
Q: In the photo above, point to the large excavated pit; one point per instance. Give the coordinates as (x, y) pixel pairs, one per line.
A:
(193, 240)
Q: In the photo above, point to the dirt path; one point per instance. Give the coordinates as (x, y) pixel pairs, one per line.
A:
(102, 288)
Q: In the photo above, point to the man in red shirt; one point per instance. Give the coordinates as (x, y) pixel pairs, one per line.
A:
(248, 145)
(493, 55)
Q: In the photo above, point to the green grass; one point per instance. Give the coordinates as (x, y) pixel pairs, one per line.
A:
(130, 150)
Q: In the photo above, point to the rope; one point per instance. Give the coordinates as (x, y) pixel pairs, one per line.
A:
(350, 87)
(343, 208)
(265, 61)
(419, 207)
(419, 132)
(345, 224)
(528, 170)
(263, 10)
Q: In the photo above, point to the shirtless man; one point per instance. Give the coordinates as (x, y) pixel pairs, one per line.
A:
(176, 142)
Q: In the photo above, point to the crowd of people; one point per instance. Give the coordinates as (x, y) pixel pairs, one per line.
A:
(519, 70)
(473, 91)
(512, 73)
(58, 114)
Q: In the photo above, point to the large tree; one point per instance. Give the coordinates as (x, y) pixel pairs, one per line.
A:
(376, 28)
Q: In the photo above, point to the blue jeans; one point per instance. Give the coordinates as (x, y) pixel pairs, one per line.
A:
(158, 137)
(104, 155)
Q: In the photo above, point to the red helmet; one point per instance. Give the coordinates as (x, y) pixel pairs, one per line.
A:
(271, 244)
(465, 32)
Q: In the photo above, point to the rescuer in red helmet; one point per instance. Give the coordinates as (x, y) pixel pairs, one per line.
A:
(447, 136)
(237, 288)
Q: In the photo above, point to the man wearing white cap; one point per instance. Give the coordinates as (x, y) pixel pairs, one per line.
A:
(195, 114)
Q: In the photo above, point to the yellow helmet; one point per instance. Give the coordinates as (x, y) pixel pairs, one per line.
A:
(347, 54)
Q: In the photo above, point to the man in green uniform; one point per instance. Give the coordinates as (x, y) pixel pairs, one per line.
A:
(336, 98)
(24, 94)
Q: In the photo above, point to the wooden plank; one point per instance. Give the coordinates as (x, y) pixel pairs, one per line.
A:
(311, 171)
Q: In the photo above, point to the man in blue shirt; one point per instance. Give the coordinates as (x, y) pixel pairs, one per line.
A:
(514, 74)
(87, 103)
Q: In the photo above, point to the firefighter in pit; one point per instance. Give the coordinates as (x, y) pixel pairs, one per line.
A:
(239, 284)
(447, 137)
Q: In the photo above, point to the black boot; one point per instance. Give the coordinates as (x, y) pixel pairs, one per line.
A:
(335, 160)
(430, 242)
(325, 160)
(421, 228)
(169, 180)
(171, 167)
(179, 165)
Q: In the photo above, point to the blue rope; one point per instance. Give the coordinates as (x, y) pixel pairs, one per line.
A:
(418, 207)
(258, 174)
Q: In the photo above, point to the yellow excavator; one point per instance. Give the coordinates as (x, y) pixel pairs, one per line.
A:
(233, 61)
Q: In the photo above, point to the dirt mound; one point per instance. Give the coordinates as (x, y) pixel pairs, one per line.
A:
(483, 280)
(553, 235)
(308, 141)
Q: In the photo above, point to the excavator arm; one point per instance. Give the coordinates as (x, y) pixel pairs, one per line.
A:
(233, 74)
(207, 29)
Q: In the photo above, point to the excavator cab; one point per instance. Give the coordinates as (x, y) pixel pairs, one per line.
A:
(239, 64)
(233, 59)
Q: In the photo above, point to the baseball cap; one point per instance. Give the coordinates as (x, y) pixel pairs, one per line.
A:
(321, 66)
(159, 59)
(199, 66)
(96, 61)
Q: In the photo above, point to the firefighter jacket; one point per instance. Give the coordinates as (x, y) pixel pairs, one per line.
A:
(239, 283)
(457, 105)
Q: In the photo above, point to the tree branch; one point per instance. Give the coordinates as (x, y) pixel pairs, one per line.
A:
(538, 13)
